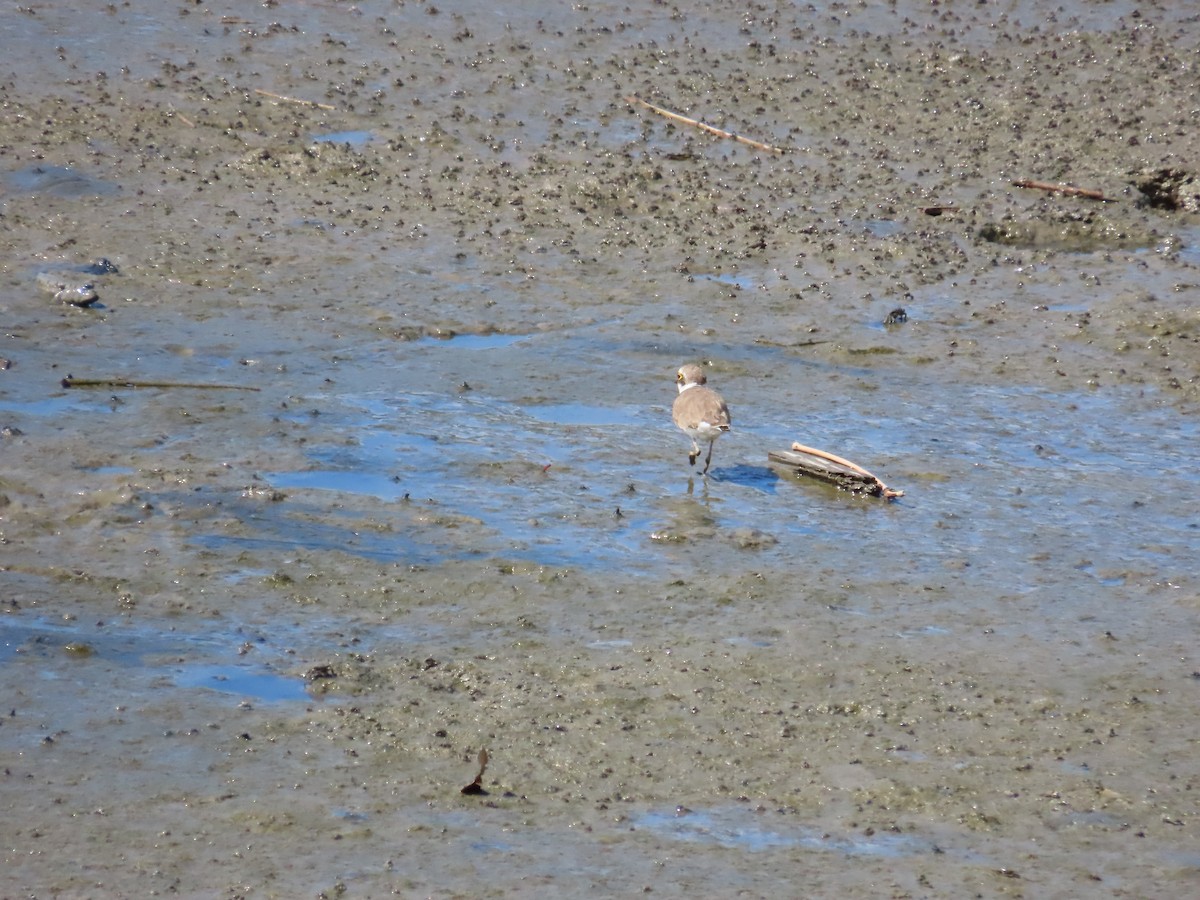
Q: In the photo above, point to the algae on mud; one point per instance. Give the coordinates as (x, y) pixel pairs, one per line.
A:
(986, 688)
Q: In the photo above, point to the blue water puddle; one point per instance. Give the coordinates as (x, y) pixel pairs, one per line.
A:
(473, 341)
(882, 228)
(353, 138)
(58, 404)
(995, 478)
(586, 414)
(1190, 251)
(1091, 437)
(739, 828)
(514, 468)
(72, 649)
(56, 181)
(1075, 768)
(242, 681)
(292, 536)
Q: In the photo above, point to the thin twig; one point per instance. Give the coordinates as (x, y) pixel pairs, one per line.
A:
(704, 126)
(813, 451)
(1064, 189)
(294, 100)
(72, 382)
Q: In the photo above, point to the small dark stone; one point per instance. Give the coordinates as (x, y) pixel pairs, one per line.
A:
(318, 672)
(102, 266)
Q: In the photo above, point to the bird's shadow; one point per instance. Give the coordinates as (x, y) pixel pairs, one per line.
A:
(759, 478)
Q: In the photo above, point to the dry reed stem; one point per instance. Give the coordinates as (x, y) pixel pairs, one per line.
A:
(294, 100)
(1064, 189)
(704, 126)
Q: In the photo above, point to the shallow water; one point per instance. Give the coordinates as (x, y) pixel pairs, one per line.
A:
(745, 829)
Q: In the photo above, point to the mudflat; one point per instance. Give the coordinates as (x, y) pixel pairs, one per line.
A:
(335, 448)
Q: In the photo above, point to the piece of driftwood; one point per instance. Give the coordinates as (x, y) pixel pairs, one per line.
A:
(1064, 189)
(704, 126)
(832, 469)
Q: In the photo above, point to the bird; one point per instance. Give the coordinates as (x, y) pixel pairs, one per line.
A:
(699, 411)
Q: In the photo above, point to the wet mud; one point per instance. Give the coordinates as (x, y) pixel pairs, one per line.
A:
(361, 459)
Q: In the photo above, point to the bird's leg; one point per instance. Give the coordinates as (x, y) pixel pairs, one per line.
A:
(708, 461)
(695, 453)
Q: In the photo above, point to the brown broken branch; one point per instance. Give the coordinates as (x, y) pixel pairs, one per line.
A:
(294, 100)
(1064, 189)
(704, 126)
(833, 469)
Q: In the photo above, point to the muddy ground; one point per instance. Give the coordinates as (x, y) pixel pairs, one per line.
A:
(366, 462)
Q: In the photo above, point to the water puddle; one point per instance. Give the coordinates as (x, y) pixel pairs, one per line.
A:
(744, 829)
(473, 341)
(242, 681)
(299, 529)
(882, 228)
(56, 181)
(511, 468)
(1190, 251)
(69, 401)
(586, 482)
(585, 414)
(353, 138)
(70, 649)
(108, 470)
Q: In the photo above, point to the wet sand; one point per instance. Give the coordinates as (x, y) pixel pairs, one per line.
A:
(367, 464)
